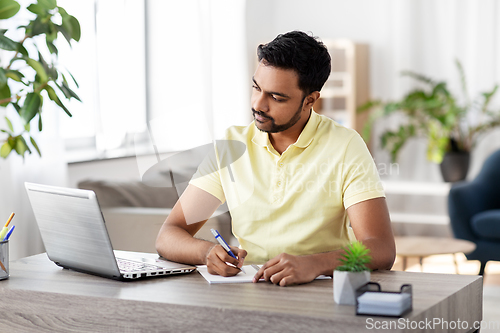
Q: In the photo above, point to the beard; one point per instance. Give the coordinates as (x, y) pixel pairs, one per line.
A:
(276, 128)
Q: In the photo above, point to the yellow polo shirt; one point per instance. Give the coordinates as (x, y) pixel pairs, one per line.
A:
(294, 202)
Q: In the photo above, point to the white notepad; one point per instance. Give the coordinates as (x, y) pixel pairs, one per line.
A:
(380, 303)
(238, 278)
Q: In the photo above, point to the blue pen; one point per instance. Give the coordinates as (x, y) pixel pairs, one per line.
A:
(223, 243)
(9, 233)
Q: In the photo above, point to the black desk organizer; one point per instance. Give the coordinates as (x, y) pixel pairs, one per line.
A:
(375, 287)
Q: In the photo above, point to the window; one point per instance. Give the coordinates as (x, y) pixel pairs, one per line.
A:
(174, 68)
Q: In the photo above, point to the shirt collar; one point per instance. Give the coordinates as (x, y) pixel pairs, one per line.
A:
(305, 138)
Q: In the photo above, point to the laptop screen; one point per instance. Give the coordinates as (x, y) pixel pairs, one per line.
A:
(73, 229)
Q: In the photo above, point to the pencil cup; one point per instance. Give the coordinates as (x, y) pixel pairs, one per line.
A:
(4, 260)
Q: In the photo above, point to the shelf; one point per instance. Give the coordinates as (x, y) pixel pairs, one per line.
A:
(334, 92)
(420, 218)
(419, 189)
(348, 84)
(416, 188)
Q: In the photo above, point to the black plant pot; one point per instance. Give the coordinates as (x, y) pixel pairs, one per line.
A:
(455, 166)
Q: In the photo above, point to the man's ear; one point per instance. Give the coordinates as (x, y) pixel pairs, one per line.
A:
(311, 99)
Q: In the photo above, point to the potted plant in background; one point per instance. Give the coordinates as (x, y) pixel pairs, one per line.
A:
(435, 113)
(26, 77)
(352, 274)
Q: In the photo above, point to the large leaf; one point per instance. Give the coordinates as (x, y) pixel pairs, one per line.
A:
(418, 77)
(52, 48)
(38, 27)
(441, 88)
(7, 44)
(37, 9)
(21, 49)
(21, 146)
(53, 96)
(30, 107)
(38, 67)
(438, 140)
(33, 142)
(3, 77)
(76, 83)
(68, 93)
(62, 11)
(368, 106)
(5, 93)
(17, 107)
(75, 28)
(51, 71)
(9, 124)
(487, 98)
(65, 29)
(48, 4)
(8, 8)
(14, 75)
(70, 25)
(5, 150)
(52, 32)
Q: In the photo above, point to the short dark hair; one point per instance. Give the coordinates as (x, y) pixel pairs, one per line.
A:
(305, 54)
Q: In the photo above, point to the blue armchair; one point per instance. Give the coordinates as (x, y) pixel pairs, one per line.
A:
(474, 209)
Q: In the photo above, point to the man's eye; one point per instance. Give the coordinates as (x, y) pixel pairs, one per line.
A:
(277, 99)
(255, 87)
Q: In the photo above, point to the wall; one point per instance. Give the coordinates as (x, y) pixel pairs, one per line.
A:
(419, 35)
(424, 36)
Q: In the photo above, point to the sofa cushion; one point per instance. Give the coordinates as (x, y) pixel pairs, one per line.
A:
(130, 194)
(487, 224)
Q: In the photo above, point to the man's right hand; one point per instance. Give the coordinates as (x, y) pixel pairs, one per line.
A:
(217, 259)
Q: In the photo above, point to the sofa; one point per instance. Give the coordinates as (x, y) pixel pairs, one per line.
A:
(134, 213)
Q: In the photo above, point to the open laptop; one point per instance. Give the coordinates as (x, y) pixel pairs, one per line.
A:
(75, 236)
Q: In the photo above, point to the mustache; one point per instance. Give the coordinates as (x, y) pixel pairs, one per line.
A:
(260, 114)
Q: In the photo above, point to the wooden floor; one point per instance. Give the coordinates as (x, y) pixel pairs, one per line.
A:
(444, 264)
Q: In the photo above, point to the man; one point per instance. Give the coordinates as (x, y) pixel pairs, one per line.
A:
(302, 179)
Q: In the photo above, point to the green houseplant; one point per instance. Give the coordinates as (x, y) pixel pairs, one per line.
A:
(435, 113)
(28, 78)
(352, 274)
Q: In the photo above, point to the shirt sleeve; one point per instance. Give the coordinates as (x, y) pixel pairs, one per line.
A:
(207, 176)
(361, 180)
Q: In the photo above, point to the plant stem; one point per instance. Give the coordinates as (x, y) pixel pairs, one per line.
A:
(9, 99)
(18, 97)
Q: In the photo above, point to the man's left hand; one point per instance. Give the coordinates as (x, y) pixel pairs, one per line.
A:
(287, 269)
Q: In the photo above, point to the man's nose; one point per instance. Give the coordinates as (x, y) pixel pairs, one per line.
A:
(259, 102)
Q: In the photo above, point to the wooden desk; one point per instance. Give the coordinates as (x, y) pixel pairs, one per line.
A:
(41, 297)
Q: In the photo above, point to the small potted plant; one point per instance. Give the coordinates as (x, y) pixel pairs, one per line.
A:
(352, 274)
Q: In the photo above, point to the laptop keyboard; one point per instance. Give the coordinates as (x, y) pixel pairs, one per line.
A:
(133, 266)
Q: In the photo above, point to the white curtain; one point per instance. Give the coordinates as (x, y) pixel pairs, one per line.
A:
(197, 74)
(198, 81)
(427, 36)
(424, 36)
(14, 171)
